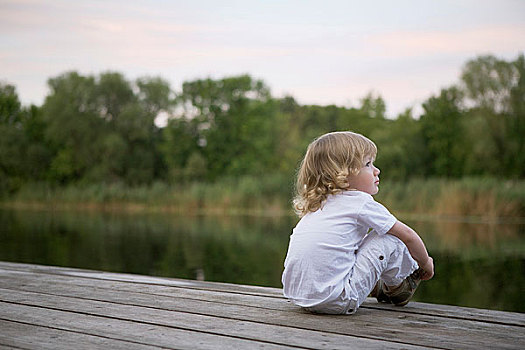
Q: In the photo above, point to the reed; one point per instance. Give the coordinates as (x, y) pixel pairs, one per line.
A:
(271, 194)
(482, 197)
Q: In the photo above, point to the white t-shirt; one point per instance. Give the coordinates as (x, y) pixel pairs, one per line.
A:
(322, 248)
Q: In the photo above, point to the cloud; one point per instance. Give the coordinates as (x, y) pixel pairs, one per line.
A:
(477, 40)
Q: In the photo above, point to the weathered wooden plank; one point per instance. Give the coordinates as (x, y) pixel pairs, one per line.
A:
(491, 316)
(375, 324)
(125, 277)
(5, 347)
(457, 312)
(18, 335)
(23, 278)
(100, 317)
(123, 330)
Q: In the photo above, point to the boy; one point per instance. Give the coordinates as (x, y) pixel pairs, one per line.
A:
(346, 245)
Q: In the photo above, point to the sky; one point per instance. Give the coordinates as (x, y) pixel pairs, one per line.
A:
(319, 52)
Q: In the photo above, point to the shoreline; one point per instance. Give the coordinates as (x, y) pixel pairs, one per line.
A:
(142, 208)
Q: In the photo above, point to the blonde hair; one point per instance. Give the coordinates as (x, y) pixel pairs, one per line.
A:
(325, 168)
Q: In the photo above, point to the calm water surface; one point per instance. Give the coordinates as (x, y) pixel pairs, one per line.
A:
(477, 265)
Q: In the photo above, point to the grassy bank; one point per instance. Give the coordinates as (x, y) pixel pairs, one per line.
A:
(270, 194)
(479, 197)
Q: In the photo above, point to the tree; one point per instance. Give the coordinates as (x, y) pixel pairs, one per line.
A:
(155, 94)
(11, 142)
(73, 126)
(495, 89)
(233, 119)
(487, 82)
(442, 130)
(157, 99)
(180, 141)
(102, 131)
(10, 106)
(516, 122)
(373, 106)
(400, 147)
(24, 155)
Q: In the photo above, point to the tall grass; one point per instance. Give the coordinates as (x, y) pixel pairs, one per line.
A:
(483, 197)
(480, 197)
(269, 194)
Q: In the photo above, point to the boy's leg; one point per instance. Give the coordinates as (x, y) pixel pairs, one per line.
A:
(380, 257)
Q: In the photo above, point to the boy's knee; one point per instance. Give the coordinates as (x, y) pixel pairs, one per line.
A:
(381, 248)
(386, 243)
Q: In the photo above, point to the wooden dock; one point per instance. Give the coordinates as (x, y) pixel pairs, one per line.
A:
(44, 307)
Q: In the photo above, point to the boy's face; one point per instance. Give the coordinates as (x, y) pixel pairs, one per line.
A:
(367, 180)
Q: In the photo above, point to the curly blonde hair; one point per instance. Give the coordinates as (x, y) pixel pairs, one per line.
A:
(325, 168)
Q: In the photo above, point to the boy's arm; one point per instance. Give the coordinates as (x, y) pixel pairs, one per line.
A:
(415, 246)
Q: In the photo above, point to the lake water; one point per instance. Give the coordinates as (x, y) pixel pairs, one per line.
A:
(477, 264)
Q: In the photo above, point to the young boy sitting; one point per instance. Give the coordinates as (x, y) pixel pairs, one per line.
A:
(346, 245)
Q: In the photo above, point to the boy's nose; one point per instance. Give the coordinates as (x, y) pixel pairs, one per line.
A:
(376, 170)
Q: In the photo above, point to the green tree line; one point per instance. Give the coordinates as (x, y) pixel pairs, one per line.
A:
(101, 129)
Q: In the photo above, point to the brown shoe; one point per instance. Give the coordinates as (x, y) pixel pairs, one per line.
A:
(400, 295)
(379, 292)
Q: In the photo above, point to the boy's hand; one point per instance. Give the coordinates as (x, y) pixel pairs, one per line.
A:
(428, 269)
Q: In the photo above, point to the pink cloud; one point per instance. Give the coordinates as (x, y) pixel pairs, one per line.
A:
(478, 40)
